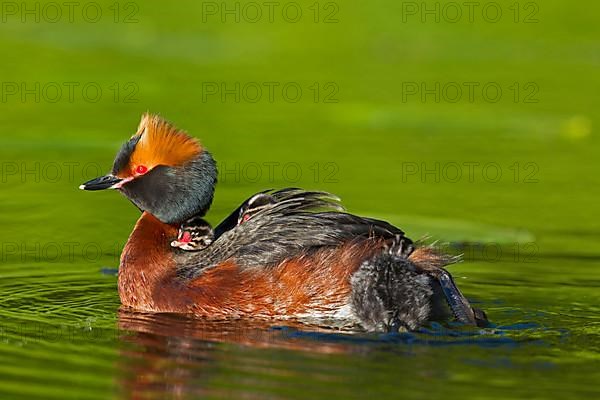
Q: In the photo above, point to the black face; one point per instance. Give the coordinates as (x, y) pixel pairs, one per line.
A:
(174, 194)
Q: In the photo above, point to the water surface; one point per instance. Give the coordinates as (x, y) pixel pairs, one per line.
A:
(530, 237)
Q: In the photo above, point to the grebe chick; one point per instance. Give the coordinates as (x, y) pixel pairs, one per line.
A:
(195, 234)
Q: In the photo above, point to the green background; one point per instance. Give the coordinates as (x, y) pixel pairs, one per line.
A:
(529, 235)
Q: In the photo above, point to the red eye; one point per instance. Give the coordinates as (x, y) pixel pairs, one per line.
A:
(141, 169)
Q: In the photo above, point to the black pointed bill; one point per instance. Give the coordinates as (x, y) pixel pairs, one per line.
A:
(104, 182)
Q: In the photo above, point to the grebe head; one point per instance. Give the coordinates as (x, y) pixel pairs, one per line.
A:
(254, 205)
(194, 234)
(163, 171)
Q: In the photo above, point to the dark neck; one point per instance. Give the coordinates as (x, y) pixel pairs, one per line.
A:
(206, 182)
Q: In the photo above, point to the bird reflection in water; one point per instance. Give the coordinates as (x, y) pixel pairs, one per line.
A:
(177, 356)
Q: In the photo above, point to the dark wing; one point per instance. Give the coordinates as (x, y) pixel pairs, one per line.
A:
(298, 222)
(293, 199)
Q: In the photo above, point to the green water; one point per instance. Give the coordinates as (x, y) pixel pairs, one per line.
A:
(510, 181)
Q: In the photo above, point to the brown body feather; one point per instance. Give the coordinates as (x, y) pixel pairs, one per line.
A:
(315, 285)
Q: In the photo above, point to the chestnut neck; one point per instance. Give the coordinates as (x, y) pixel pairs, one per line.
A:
(146, 263)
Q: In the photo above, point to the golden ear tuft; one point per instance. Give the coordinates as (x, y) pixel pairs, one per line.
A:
(161, 143)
